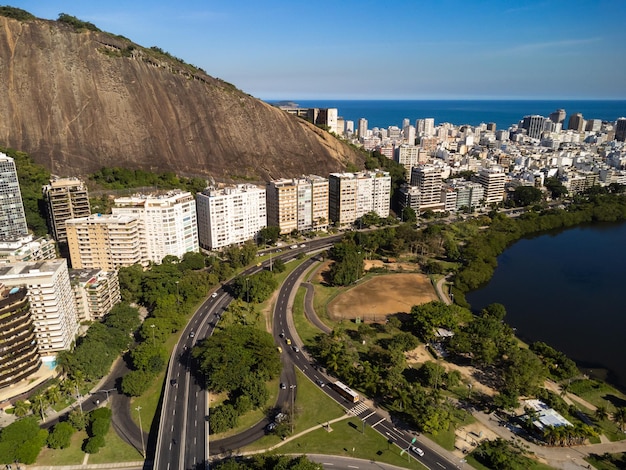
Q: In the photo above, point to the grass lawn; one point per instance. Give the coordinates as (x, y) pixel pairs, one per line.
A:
(115, 450)
(148, 402)
(533, 466)
(73, 455)
(599, 394)
(306, 330)
(608, 461)
(313, 407)
(346, 439)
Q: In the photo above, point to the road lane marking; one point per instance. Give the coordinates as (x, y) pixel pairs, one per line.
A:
(372, 413)
(393, 437)
(440, 465)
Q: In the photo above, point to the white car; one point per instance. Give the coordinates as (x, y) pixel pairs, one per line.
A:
(214, 294)
(418, 451)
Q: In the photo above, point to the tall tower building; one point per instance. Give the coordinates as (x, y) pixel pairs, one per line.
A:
(19, 355)
(576, 122)
(429, 181)
(231, 215)
(52, 305)
(557, 116)
(12, 217)
(66, 198)
(282, 205)
(620, 129)
(492, 180)
(533, 125)
(362, 128)
(167, 223)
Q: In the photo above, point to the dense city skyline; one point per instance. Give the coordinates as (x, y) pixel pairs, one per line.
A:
(374, 50)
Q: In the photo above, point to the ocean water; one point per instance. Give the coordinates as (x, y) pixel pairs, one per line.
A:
(473, 112)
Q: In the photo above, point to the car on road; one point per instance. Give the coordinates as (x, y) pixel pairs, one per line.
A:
(288, 341)
(296, 349)
(320, 382)
(192, 334)
(174, 382)
(282, 334)
(283, 386)
(214, 294)
(303, 246)
(418, 451)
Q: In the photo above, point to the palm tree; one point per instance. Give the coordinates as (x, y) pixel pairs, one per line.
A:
(620, 417)
(601, 413)
(21, 408)
(53, 394)
(38, 403)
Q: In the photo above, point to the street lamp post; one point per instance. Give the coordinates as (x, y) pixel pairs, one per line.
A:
(143, 446)
(152, 328)
(293, 411)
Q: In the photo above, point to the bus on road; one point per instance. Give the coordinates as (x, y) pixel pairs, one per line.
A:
(345, 391)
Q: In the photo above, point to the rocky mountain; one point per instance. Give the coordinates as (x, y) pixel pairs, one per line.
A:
(79, 99)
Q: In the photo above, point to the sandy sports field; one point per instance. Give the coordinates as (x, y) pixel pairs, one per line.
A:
(382, 295)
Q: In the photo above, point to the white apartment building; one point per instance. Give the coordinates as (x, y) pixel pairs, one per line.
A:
(410, 156)
(27, 248)
(167, 223)
(428, 179)
(95, 292)
(230, 215)
(492, 180)
(52, 305)
(106, 242)
(352, 195)
(298, 204)
(12, 217)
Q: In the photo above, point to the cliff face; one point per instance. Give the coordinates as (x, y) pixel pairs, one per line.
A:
(81, 100)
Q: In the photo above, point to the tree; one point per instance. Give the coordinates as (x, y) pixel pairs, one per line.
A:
(269, 235)
(278, 265)
(61, 435)
(136, 382)
(21, 408)
(526, 195)
(556, 188)
(21, 441)
(408, 215)
(601, 413)
(222, 418)
(620, 417)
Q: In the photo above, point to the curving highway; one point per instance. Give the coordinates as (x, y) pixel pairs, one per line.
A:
(182, 441)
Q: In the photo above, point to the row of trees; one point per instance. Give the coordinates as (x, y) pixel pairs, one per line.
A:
(238, 360)
(124, 178)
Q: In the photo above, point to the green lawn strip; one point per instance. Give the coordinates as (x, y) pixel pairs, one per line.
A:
(478, 466)
(115, 450)
(313, 407)
(306, 330)
(346, 439)
(73, 455)
(598, 393)
(149, 403)
(607, 461)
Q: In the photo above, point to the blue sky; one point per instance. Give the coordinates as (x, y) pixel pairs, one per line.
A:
(374, 49)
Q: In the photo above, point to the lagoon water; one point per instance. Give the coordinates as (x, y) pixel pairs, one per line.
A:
(567, 289)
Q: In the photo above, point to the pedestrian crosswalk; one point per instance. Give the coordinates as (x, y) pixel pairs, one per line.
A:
(359, 408)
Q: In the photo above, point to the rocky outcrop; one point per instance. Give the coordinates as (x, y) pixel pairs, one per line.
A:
(80, 100)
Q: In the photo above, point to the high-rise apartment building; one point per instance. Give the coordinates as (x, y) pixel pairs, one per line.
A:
(534, 125)
(66, 198)
(12, 217)
(425, 127)
(492, 180)
(106, 242)
(410, 156)
(352, 195)
(410, 197)
(282, 205)
(230, 215)
(362, 128)
(96, 292)
(469, 194)
(167, 223)
(620, 129)
(19, 355)
(52, 305)
(429, 181)
(576, 122)
(557, 116)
